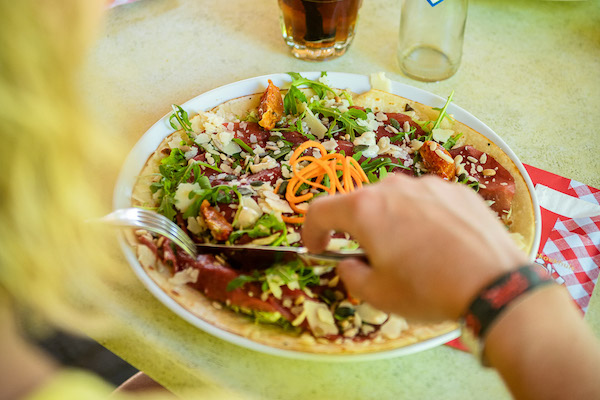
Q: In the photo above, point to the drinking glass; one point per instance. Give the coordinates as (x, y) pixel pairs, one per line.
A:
(318, 29)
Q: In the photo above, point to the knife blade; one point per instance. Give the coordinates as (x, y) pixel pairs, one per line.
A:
(268, 255)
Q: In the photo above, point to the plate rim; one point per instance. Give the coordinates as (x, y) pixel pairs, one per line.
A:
(358, 83)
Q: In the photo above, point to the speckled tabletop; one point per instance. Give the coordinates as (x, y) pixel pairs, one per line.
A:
(530, 71)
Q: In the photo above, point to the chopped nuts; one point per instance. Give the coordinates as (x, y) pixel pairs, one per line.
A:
(366, 329)
(350, 332)
(220, 259)
(334, 281)
(299, 319)
(460, 169)
(324, 315)
(488, 172)
(443, 156)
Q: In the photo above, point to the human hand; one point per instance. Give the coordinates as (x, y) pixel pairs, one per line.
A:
(432, 245)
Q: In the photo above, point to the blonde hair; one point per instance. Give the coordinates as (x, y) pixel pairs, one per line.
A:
(56, 167)
(57, 171)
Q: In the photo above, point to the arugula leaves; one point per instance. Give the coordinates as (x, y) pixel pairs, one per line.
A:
(294, 94)
(400, 136)
(291, 99)
(346, 119)
(464, 179)
(443, 114)
(340, 120)
(267, 225)
(182, 118)
(241, 280)
(243, 145)
(452, 141)
(295, 274)
(174, 169)
(214, 195)
(378, 168)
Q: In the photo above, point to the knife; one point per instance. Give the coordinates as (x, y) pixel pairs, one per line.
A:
(268, 255)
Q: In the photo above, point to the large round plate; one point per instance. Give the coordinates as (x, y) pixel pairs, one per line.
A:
(206, 101)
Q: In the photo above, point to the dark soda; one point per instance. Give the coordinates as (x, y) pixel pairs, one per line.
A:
(323, 28)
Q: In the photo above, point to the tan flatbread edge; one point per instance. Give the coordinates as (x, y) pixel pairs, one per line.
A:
(273, 336)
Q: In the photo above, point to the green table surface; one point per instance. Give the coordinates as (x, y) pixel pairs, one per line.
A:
(530, 71)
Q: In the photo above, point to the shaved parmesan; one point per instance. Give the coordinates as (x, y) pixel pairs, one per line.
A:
(320, 319)
(314, 124)
(380, 82)
(249, 213)
(189, 275)
(519, 240)
(196, 225)
(330, 145)
(442, 135)
(146, 256)
(393, 327)
(182, 195)
(370, 314)
(206, 121)
(336, 244)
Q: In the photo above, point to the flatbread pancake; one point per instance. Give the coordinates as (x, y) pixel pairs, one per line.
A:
(225, 177)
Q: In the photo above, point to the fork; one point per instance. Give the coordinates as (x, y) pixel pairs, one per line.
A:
(154, 222)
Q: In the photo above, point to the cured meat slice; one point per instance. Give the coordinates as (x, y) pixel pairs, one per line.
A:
(250, 133)
(401, 118)
(213, 278)
(495, 182)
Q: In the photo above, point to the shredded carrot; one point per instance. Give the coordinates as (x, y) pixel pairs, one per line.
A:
(292, 220)
(353, 300)
(313, 175)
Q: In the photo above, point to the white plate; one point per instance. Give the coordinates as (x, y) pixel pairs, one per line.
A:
(206, 101)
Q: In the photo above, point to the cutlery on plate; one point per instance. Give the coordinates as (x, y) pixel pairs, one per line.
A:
(157, 223)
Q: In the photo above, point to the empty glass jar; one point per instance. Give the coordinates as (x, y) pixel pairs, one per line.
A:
(431, 38)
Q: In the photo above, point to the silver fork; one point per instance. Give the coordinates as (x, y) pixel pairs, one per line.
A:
(154, 222)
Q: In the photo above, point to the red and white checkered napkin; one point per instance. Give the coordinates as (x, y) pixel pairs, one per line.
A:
(570, 251)
(570, 241)
(572, 256)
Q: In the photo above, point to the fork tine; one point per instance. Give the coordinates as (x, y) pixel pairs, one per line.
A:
(147, 215)
(152, 221)
(171, 228)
